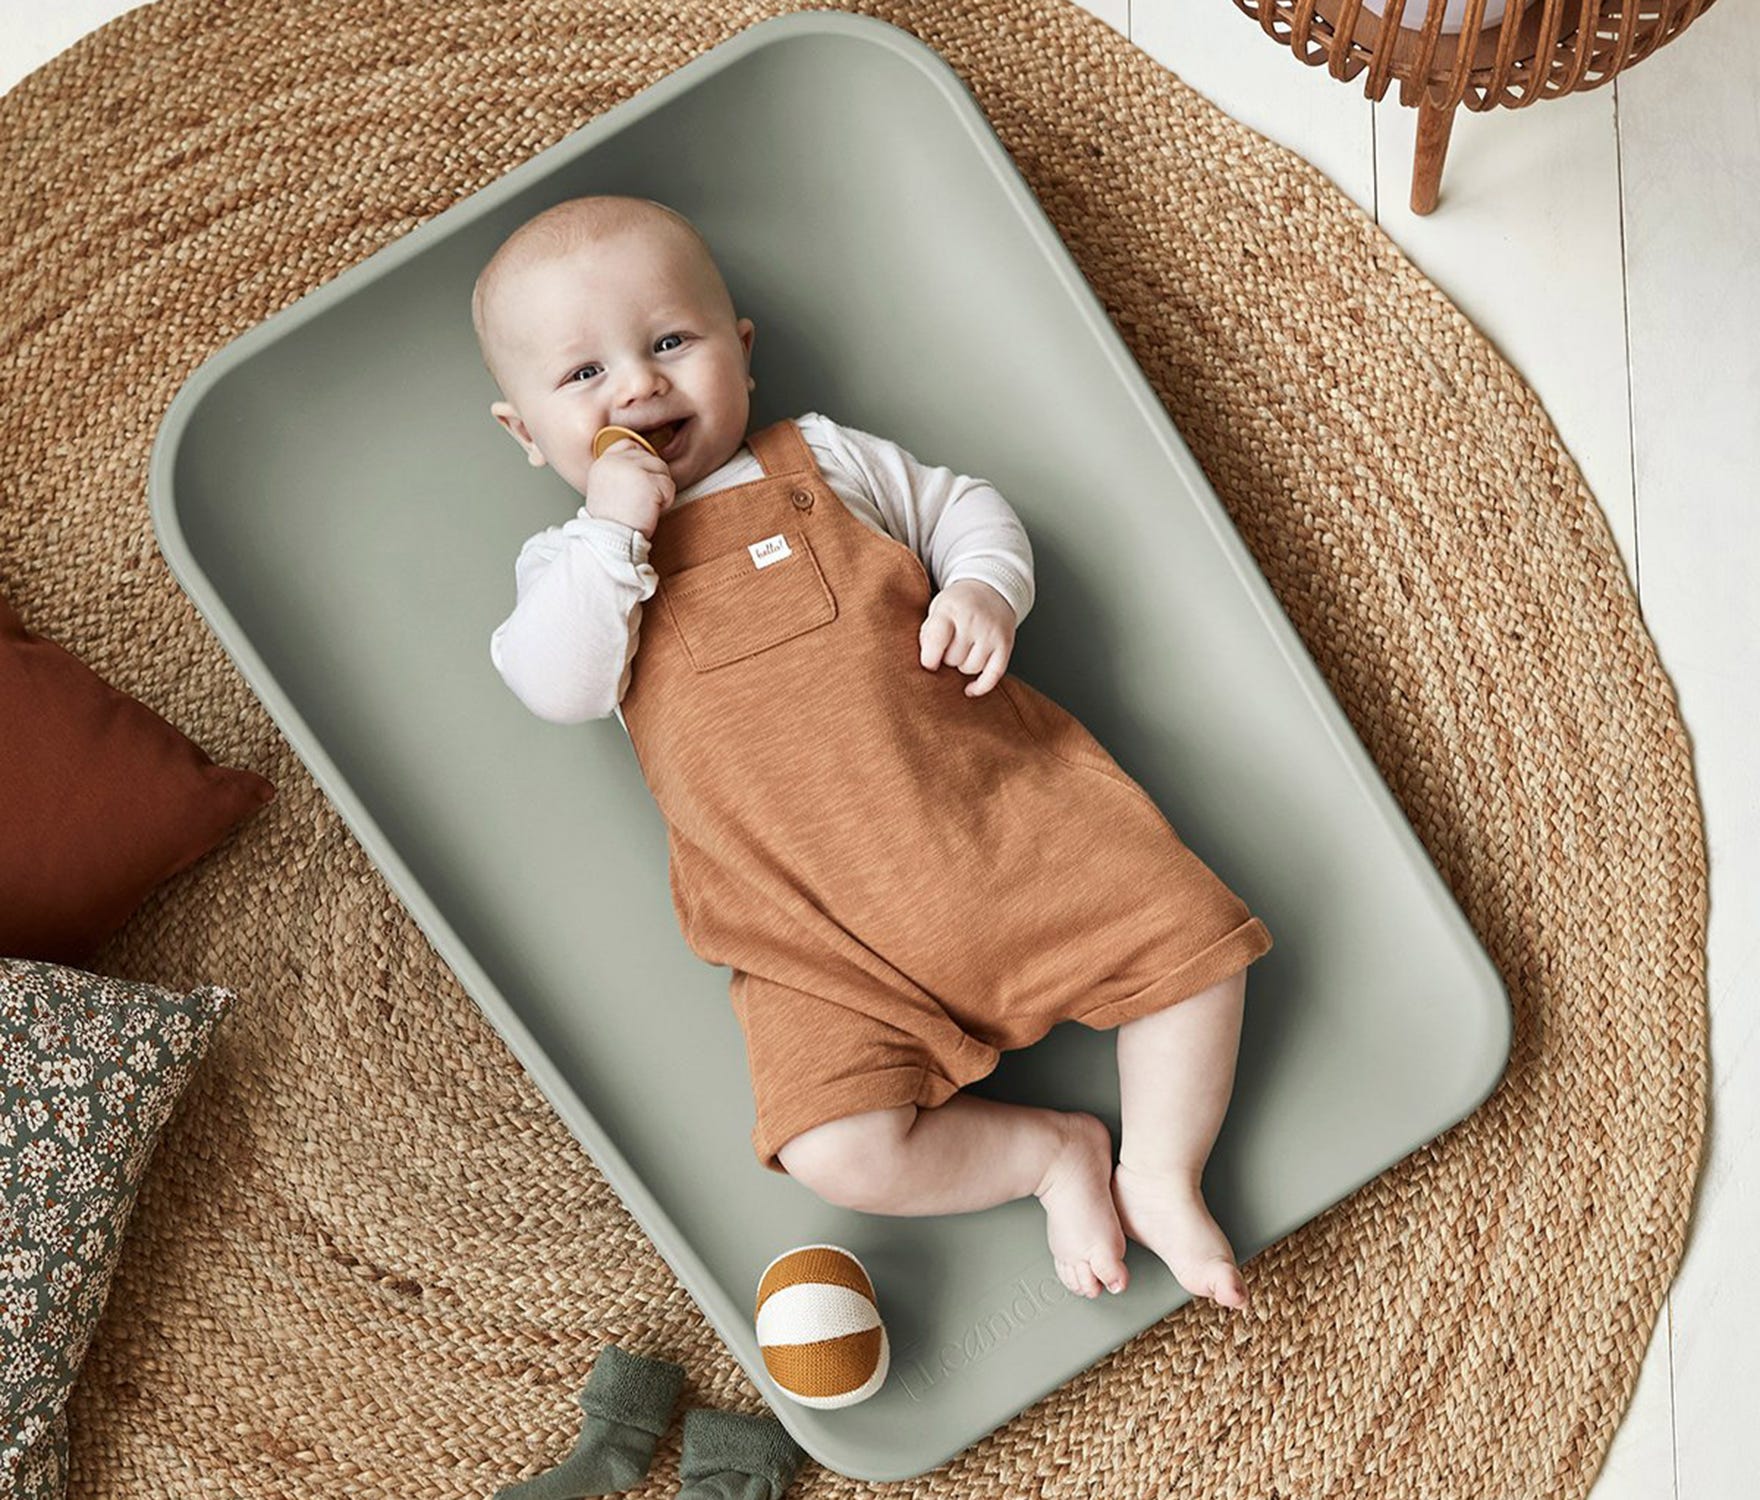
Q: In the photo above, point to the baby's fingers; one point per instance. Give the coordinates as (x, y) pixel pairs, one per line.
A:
(990, 676)
(933, 639)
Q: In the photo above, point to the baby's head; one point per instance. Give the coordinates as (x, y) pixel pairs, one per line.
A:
(610, 311)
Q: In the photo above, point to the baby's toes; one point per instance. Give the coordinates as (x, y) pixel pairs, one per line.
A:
(1220, 1280)
(1076, 1275)
(1231, 1288)
(1110, 1270)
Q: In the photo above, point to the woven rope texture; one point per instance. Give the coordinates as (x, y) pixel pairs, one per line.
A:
(370, 1260)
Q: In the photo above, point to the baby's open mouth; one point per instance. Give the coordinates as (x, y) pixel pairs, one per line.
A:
(660, 438)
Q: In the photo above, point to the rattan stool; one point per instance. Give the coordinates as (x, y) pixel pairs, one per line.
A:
(1540, 49)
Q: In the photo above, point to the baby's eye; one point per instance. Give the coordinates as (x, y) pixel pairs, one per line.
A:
(665, 336)
(583, 371)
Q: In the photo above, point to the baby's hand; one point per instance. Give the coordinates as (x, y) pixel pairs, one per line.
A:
(971, 626)
(631, 485)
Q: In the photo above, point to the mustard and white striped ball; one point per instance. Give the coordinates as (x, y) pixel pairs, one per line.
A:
(819, 1327)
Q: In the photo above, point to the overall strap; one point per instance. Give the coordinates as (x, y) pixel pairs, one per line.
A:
(780, 449)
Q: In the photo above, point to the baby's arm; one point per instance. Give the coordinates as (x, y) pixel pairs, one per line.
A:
(960, 526)
(566, 649)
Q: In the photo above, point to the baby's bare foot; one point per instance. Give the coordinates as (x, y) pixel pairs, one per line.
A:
(1087, 1241)
(1167, 1213)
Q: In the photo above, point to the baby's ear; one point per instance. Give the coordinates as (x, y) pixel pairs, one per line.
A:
(505, 413)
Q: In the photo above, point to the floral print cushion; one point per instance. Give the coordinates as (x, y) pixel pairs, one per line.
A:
(90, 1069)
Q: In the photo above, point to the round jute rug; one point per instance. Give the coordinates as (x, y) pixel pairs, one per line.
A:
(370, 1260)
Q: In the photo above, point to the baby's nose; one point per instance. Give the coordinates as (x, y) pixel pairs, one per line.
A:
(642, 384)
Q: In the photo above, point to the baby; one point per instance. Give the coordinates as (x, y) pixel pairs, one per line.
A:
(907, 872)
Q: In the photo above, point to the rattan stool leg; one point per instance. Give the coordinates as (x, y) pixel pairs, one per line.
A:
(1434, 123)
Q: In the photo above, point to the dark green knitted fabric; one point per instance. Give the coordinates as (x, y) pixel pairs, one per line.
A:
(731, 1456)
(627, 1404)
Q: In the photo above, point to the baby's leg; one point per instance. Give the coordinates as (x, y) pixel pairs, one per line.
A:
(972, 1153)
(1175, 1075)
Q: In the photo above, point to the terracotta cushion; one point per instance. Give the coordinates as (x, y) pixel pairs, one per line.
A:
(101, 799)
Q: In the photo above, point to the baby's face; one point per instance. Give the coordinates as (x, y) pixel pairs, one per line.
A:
(628, 332)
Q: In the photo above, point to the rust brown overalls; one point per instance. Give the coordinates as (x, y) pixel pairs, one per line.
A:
(904, 880)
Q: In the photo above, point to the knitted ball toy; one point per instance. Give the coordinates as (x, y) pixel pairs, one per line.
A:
(820, 1328)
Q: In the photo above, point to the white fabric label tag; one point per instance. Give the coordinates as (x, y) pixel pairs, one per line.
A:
(771, 549)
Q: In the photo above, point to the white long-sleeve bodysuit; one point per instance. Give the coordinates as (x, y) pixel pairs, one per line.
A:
(566, 649)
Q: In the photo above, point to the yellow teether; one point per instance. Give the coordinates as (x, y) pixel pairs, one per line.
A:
(606, 436)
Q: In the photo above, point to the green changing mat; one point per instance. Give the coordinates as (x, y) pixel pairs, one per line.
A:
(331, 492)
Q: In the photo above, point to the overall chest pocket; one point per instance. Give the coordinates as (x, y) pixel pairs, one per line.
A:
(729, 608)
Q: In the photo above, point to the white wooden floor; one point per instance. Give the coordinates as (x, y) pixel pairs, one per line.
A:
(1609, 245)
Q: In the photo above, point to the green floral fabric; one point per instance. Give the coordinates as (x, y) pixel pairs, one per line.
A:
(90, 1069)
